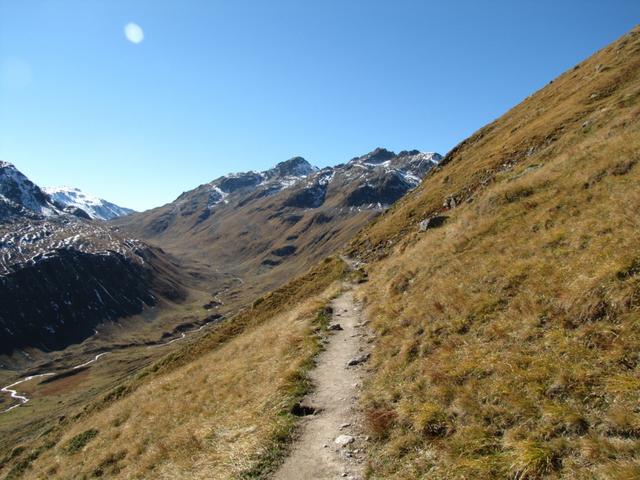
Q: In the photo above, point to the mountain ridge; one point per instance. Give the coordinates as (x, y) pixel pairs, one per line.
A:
(96, 208)
(266, 227)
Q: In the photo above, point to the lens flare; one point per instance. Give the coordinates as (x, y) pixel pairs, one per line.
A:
(133, 32)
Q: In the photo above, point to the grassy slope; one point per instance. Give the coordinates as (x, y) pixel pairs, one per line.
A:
(218, 408)
(508, 338)
(127, 353)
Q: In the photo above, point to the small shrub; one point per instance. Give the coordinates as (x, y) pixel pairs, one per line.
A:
(257, 302)
(630, 271)
(111, 464)
(16, 452)
(78, 442)
(379, 422)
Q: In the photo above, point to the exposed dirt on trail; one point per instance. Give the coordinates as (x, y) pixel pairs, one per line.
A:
(315, 454)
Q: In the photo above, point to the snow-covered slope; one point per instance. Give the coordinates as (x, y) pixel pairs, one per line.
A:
(95, 207)
(19, 196)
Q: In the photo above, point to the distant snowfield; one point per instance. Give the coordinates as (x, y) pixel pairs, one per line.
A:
(96, 208)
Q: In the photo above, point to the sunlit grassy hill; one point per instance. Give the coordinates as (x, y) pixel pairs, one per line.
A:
(509, 329)
(219, 408)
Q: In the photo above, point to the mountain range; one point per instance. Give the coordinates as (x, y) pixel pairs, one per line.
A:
(265, 227)
(62, 274)
(20, 197)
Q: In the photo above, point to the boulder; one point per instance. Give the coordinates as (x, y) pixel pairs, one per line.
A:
(449, 202)
(344, 440)
(431, 222)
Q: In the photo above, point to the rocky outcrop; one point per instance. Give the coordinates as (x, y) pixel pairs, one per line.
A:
(308, 196)
(385, 191)
(20, 197)
(294, 167)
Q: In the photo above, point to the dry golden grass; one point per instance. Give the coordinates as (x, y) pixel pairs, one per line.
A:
(509, 338)
(225, 413)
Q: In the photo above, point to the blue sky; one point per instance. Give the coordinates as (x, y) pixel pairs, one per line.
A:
(219, 86)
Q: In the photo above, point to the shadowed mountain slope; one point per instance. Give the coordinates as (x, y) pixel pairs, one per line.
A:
(62, 274)
(20, 197)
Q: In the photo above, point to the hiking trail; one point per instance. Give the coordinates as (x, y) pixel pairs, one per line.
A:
(331, 443)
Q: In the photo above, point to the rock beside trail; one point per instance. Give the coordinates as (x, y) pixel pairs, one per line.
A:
(344, 440)
(335, 326)
(431, 222)
(358, 360)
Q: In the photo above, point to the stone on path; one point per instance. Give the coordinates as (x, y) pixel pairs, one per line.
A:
(344, 440)
(358, 360)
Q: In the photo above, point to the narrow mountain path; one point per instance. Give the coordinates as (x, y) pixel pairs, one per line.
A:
(331, 443)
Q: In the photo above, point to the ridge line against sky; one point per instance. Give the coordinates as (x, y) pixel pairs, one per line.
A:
(136, 102)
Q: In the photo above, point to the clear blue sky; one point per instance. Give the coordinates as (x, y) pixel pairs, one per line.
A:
(219, 86)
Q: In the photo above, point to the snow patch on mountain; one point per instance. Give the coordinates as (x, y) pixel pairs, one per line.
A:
(216, 196)
(96, 208)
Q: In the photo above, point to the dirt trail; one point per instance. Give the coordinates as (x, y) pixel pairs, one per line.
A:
(316, 455)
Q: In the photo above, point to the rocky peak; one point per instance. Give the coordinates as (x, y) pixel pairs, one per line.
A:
(294, 167)
(22, 194)
(377, 156)
(287, 171)
(409, 153)
(235, 181)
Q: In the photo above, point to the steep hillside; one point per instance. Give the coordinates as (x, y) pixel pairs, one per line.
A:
(96, 208)
(266, 227)
(505, 293)
(219, 408)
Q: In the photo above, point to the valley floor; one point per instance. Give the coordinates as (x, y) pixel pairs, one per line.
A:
(331, 442)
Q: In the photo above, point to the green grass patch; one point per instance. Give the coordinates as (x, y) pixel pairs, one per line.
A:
(78, 442)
